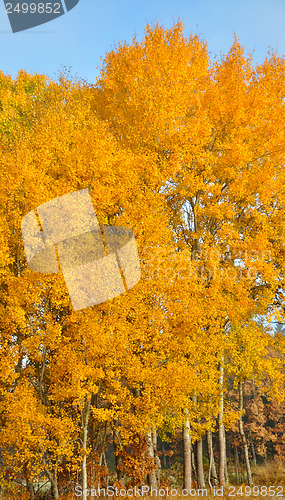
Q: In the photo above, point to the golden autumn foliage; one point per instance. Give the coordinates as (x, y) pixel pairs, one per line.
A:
(189, 154)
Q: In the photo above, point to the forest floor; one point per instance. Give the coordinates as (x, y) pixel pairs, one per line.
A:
(269, 483)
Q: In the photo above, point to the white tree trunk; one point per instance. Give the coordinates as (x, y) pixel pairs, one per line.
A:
(150, 454)
(222, 443)
(200, 468)
(187, 472)
(212, 478)
(243, 437)
(84, 420)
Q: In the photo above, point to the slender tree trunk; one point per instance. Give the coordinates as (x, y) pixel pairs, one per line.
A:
(213, 478)
(253, 450)
(92, 474)
(102, 454)
(84, 420)
(199, 458)
(150, 454)
(226, 460)
(222, 443)
(54, 484)
(237, 465)
(164, 456)
(193, 462)
(157, 460)
(94, 441)
(243, 437)
(117, 449)
(30, 488)
(187, 471)
(29, 484)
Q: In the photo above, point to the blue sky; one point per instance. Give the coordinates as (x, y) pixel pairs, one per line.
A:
(85, 34)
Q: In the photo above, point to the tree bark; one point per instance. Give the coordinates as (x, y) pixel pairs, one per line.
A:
(164, 456)
(187, 471)
(29, 484)
(117, 449)
(102, 454)
(199, 458)
(212, 478)
(243, 437)
(94, 436)
(237, 465)
(226, 460)
(193, 462)
(157, 460)
(54, 484)
(253, 450)
(222, 443)
(150, 454)
(30, 488)
(84, 420)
